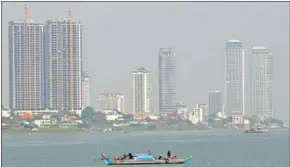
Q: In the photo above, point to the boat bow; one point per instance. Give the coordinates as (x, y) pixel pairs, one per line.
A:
(186, 160)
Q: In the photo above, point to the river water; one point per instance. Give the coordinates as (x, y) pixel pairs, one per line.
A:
(208, 148)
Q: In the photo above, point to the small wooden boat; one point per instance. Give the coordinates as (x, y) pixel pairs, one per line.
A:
(145, 160)
(258, 129)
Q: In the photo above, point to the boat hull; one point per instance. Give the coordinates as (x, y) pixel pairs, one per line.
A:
(134, 162)
(257, 131)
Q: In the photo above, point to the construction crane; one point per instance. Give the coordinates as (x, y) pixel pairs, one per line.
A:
(27, 69)
(71, 57)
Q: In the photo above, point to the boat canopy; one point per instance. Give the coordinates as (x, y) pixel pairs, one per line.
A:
(143, 156)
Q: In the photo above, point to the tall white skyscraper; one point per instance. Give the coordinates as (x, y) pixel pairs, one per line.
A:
(111, 101)
(86, 95)
(167, 81)
(142, 91)
(26, 66)
(63, 43)
(214, 102)
(261, 82)
(234, 77)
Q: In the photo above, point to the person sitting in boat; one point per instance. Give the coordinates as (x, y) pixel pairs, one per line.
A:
(130, 156)
(123, 157)
(160, 156)
(174, 157)
(168, 154)
(116, 158)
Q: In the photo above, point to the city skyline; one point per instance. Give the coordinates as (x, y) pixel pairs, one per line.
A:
(188, 85)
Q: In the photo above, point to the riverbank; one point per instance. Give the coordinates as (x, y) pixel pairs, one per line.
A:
(74, 130)
(42, 130)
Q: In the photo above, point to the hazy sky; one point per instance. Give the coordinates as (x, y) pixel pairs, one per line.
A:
(120, 37)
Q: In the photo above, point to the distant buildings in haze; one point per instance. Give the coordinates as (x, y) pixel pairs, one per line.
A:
(46, 73)
(214, 102)
(111, 101)
(86, 92)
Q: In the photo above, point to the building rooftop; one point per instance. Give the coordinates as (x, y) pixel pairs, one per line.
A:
(214, 91)
(142, 70)
(259, 48)
(233, 41)
(111, 93)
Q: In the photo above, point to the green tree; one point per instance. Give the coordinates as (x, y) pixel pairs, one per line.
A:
(39, 116)
(56, 116)
(88, 112)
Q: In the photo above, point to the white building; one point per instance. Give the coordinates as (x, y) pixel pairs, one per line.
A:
(261, 82)
(5, 112)
(86, 91)
(200, 112)
(237, 117)
(234, 77)
(64, 54)
(27, 66)
(111, 101)
(142, 91)
(182, 110)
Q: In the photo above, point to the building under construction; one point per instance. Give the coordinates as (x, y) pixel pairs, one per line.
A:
(63, 43)
(45, 65)
(27, 66)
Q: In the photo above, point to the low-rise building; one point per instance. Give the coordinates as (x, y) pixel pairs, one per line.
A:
(5, 112)
(200, 112)
(182, 111)
(42, 122)
(113, 117)
(111, 101)
(237, 118)
(247, 124)
(110, 112)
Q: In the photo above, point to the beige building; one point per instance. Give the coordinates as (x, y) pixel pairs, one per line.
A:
(111, 101)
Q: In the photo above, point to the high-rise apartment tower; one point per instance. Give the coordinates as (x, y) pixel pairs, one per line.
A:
(63, 43)
(26, 66)
(261, 82)
(142, 91)
(167, 81)
(234, 77)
